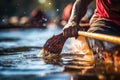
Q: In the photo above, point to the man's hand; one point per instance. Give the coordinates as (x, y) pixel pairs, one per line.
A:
(71, 30)
(54, 44)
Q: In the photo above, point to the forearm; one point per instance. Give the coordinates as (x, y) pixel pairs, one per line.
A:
(78, 11)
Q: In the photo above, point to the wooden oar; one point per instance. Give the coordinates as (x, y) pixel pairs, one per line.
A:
(103, 37)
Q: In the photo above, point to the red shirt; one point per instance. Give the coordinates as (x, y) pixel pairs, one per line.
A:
(103, 10)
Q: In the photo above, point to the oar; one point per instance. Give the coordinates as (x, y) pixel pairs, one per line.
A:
(55, 44)
(98, 36)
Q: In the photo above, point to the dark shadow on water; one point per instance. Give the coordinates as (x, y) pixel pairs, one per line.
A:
(9, 39)
(13, 51)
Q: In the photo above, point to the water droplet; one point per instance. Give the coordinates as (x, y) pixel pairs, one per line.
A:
(49, 3)
(24, 12)
(3, 20)
(44, 19)
(44, 24)
(57, 10)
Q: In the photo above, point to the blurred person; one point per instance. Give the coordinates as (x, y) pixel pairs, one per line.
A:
(37, 18)
(106, 20)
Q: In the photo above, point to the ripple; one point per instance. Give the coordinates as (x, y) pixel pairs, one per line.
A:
(13, 51)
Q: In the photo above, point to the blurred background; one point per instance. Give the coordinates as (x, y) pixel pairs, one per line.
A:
(31, 13)
(36, 13)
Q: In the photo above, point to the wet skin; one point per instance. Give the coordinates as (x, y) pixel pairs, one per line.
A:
(55, 44)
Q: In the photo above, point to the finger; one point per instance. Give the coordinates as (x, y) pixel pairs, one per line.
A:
(64, 32)
(75, 31)
(51, 46)
(54, 49)
(68, 32)
(54, 45)
(48, 42)
(46, 45)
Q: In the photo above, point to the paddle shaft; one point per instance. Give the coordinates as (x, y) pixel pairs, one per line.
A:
(98, 36)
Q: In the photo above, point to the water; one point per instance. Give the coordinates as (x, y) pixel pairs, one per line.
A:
(18, 59)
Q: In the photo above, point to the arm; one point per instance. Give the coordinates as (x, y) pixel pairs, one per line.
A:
(78, 11)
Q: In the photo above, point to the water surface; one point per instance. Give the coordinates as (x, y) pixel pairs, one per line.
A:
(18, 59)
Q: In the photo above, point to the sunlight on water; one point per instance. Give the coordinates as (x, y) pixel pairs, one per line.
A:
(18, 58)
(18, 50)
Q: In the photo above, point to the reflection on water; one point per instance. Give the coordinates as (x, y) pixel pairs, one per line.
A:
(18, 59)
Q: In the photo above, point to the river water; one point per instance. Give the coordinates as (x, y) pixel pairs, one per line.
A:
(18, 59)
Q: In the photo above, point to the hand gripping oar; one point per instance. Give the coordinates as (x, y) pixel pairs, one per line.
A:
(55, 44)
